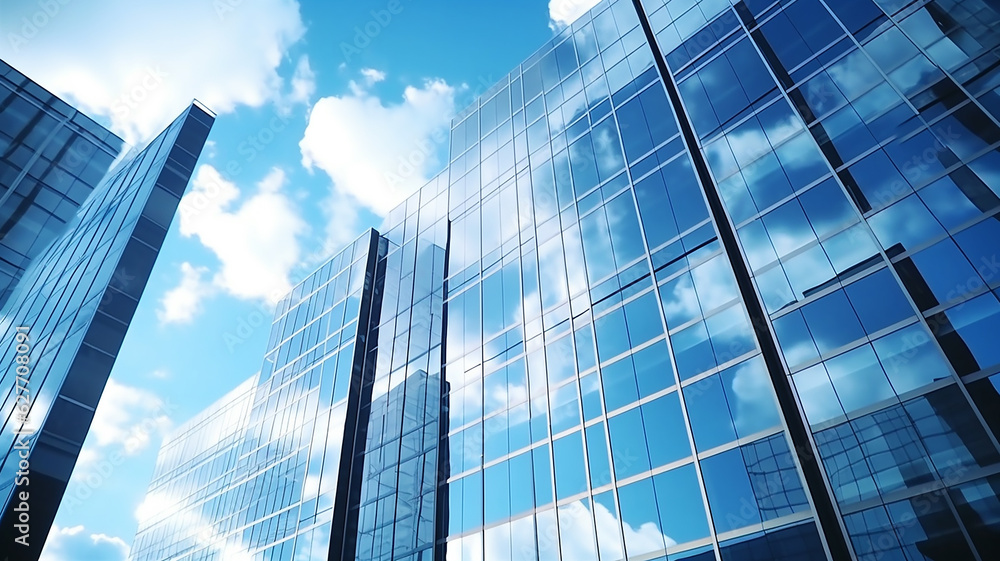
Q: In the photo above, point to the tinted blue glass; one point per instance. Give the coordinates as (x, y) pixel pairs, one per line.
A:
(583, 164)
(905, 225)
(565, 408)
(976, 321)
(952, 436)
(642, 316)
(801, 161)
(646, 118)
(709, 413)
(947, 199)
(981, 245)
(521, 496)
(731, 334)
(977, 503)
(559, 358)
(628, 444)
(730, 496)
(945, 270)
(654, 208)
(571, 477)
(793, 336)
(774, 477)
(858, 378)
(590, 392)
(845, 463)
(585, 356)
(639, 511)
(597, 245)
(692, 351)
(686, 198)
(626, 240)
(607, 149)
(597, 454)
(832, 322)
(472, 501)
(827, 208)
(496, 483)
(653, 371)
(878, 301)
(619, 384)
(751, 402)
(612, 335)
(680, 302)
(936, 527)
(698, 107)
(682, 510)
(909, 359)
(667, 440)
(543, 475)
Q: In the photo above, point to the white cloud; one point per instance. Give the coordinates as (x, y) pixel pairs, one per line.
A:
(341, 211)
(234, 60)
(128, 417)
(377, 154)
(256, 241)
(372, 76)
(303, 82)
(74, 543)
(565, 12)
(183, 302)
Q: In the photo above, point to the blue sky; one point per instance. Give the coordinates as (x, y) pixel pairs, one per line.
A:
(317, 102)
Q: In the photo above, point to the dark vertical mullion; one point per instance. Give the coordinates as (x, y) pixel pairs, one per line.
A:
(826, 511)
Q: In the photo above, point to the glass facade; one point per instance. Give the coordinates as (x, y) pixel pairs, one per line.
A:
(702, 280)
(51, 158)
(68, 310)
(267, 468)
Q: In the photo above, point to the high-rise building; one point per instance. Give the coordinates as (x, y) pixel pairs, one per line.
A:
(702, 280)
(51, 158)
(85, 255)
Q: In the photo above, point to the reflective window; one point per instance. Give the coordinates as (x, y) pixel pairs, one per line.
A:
(619, 384)
(859, 379)
(640, 515)
(682, 510)
(647, 120)
(628, 444)
(799, 31)
(667, 441)
(979, 508)
(910, 359)
(571, 476)
(774, 478)
(730, 494)
(597, 455)
(749, 394)
(967, 333)
(878, 301)
(705, 401)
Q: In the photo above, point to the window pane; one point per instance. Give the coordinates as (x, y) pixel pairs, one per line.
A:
(628, 444)
(730, 495)
(709, 413)
(571, 477)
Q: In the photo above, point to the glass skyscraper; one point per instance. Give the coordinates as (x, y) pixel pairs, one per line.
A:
(52, 158)
(78, 243)
(702, 280)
